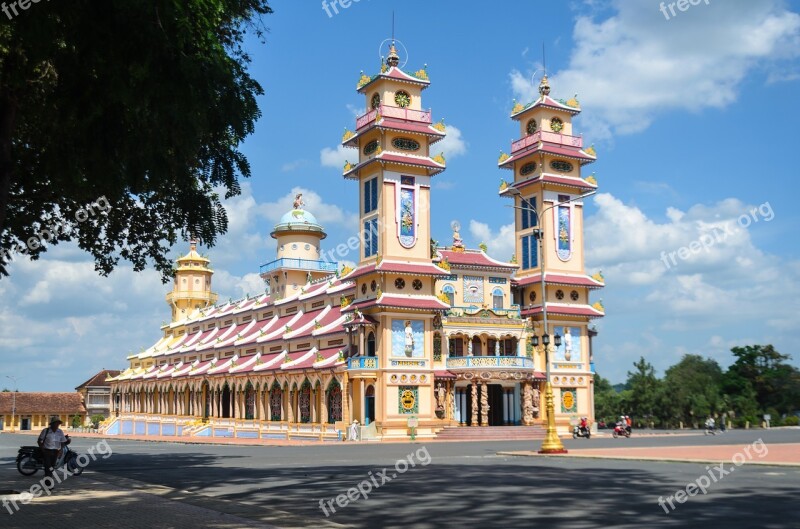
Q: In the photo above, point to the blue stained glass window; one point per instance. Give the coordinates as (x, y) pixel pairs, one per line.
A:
(370, 237)
(529, 219)
(370, 195)
(530, 252)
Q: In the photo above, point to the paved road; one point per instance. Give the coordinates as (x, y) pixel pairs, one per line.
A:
(459, 484)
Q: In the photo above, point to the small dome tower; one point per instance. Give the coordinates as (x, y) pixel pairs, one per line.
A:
(191, 289)
(299, 254)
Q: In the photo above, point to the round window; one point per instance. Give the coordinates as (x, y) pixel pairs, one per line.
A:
(405, 144)
(561, 166)
(559, 294)
(556, 125)
(370, 147)
(402, 99)
(376, 101)
(400, 283)
(294, 247)
(531, 127)
(532, 296)
(363, 289)
(416, 284)
(527, 169)
(307, 246)
(373, 285)
(574, 295)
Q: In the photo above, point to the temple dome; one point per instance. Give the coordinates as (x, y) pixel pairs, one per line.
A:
(298, 220)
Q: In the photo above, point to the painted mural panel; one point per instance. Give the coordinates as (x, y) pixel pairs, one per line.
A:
(407, 218)
(408, 338)
(569, 400)
(409, 399)
(473, 289)
(564, 244)
(570, 348)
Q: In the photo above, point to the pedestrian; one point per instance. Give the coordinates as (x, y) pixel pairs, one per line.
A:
(52, 440)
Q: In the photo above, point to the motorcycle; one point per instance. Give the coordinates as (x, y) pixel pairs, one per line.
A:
(620, 430)
(581, 431)
(30, 459)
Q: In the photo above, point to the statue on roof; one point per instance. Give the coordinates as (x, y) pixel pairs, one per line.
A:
(298, 201)
(544, 86)
(458, 243)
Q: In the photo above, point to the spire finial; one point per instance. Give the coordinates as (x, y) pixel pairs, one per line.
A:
(192, 242)
(393, 59)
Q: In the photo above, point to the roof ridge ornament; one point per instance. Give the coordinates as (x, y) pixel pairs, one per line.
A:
(544, 86)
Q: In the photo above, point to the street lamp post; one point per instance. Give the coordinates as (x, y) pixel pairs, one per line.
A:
(551, 444)
(13, 402)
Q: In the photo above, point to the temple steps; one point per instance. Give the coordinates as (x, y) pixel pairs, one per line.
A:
(481, 433)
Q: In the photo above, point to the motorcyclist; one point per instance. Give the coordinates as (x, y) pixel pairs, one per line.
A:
(710, 424)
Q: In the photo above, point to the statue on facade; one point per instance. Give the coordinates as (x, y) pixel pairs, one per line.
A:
(441, 394)
(485, 405)
(298, 201)
(527, 404)
(567, 344)
(458, 243)
(409, 339)
(536, 398)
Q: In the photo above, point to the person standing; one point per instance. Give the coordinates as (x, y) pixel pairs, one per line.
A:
(52, 440)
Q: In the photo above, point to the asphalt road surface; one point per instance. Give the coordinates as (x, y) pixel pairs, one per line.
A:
(463, 485)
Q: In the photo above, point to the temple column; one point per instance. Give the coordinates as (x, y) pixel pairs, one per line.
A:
(474, 402)
(484, 404)
(324, 407)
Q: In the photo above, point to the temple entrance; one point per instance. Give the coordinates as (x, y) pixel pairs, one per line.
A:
(496, 405)
(369, 406)
(226, 402)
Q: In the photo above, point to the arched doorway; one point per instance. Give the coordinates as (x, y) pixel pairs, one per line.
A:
(476, 346)
(275, 402)
(305, 402)
(369, 405)
(226, 402)
(249, 402)
(204, 393)
(371, 344)
(334, 402)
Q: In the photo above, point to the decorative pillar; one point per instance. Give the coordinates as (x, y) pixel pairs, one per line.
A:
(345, 399)
(474, 402)
(497, 347)
(324, 407)
(484, 404)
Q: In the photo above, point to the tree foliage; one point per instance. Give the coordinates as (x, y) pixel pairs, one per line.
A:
(144, 103)
(759, 381)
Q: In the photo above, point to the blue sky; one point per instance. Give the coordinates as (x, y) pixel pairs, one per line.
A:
(694, 120)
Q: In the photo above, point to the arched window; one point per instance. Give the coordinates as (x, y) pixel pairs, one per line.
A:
(450, 292)
(371, 344)
(497, 298)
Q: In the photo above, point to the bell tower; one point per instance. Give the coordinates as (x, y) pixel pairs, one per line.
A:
(191, 289)
(394, 306)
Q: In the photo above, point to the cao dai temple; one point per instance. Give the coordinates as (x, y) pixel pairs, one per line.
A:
(448, 337)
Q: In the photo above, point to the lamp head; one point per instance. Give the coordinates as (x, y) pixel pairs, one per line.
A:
(546, 339)
(557, 339)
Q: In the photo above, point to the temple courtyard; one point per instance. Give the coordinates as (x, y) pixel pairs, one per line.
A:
(750, 479)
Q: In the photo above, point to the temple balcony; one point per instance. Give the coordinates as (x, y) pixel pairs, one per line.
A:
(489, 362)
(362, 362)
(476, 314)
(549, 137)
(208, 297)
(386, 111)
(299, 264)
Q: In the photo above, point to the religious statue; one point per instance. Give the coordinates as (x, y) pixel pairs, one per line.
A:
(536, 398)
(458, 243)
(298, 201)
(485, 405)
(567, 344)
(409, 339)
(527, 405)
(440, 396)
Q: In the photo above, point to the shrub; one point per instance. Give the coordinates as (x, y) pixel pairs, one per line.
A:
(76, 421)
(792, 420)
(97, 419)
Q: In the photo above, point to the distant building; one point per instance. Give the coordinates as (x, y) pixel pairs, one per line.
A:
(96, 393)
(32, 411)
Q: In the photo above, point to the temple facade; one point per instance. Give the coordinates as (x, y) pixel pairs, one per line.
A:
(415, 335)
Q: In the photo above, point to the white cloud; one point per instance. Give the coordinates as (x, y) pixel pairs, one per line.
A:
(633, 65)
(500, 243)
(452, 145)
(337, 157)
(294, 165)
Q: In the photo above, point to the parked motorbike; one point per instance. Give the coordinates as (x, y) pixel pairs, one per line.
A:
(620, 430)
(30, 459)
(581, 431)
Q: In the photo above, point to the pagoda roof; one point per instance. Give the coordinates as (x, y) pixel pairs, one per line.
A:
(400, 301)
(396, 125)
(386, 266)
(572, 153)
(547, 102)
(395, 74)
(559, 279)
(549, 178)
(474, 259)
(563, 309)
(385, 156)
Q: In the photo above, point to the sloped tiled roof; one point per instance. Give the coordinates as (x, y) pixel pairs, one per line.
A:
(41, 403)
(100, 379)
